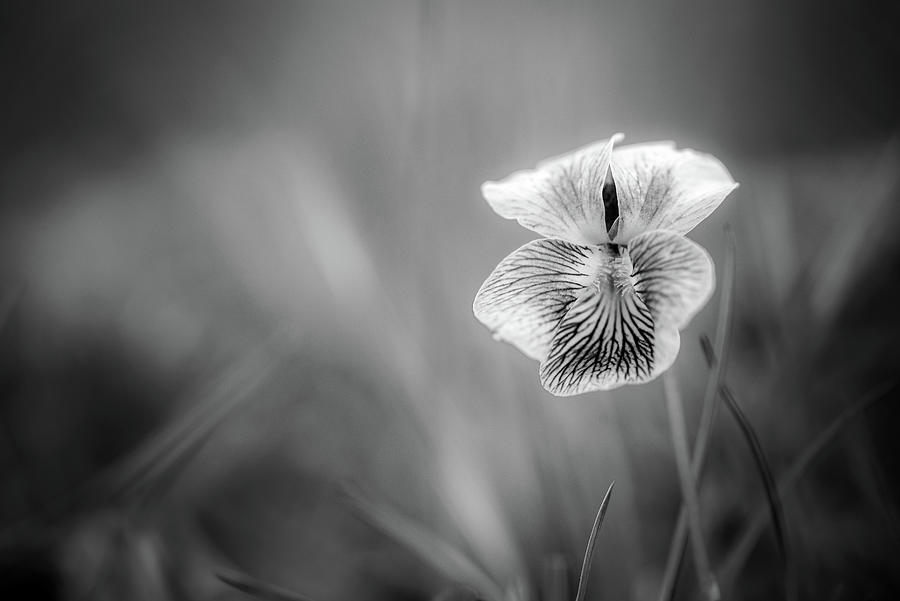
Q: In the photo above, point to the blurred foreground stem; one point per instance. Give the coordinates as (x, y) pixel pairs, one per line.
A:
(705, 576)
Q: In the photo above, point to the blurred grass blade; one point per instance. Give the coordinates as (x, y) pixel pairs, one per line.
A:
(443, 556)
(155, 464)
(812, 452)
(775, 508)
(834, 271)
(705, 577)
(19, 474)
(554, 579)
(257, 588)
(159, 459)
(148, 471)
(592, 541)
(8, 305)
(708, 413)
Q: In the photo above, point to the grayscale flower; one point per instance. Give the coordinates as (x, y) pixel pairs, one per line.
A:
(601, 299)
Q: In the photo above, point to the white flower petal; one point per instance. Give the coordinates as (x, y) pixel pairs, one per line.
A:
(607, 339)
(673, 276)
(528, 293)
(562, 198)
(660, 187)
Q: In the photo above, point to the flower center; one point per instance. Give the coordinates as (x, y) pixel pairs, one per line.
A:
(615, 270)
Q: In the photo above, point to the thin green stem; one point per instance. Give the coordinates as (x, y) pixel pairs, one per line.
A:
(705, 576)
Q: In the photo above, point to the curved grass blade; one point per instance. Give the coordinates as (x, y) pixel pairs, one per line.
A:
(708, 413)
(257, 588)
(775, 508)
(443, 556)
(592, 541)
(812, 452)
(762, 465)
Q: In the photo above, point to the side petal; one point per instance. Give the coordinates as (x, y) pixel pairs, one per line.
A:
(607, 339)
(562, 198)
(660, 187)
(528, 293)
(674, 276)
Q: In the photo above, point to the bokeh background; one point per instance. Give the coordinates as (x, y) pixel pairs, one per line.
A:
(239, 242)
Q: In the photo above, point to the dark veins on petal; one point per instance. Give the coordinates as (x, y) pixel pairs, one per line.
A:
(607, 336)
(657, 262)
(536, 285)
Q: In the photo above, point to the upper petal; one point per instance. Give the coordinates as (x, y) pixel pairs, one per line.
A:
(561, 198)
(526, 296)
(607, 339)
(660, 187)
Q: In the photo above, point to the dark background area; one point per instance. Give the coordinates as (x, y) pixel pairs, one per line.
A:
(239, 242)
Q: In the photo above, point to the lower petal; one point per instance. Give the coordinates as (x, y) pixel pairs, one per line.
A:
(607, 339)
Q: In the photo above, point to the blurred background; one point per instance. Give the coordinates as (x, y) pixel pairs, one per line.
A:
(239, 243)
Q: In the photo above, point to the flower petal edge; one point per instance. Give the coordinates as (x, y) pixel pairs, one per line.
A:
(662, 187)
(561, 197)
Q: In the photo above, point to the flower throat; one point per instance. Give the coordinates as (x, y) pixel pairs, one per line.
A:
(610, 206)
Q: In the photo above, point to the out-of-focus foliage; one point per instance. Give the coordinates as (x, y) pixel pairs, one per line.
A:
(186, 186)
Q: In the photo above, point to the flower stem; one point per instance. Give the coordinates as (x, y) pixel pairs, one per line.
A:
(708, 414)
(705, 576)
